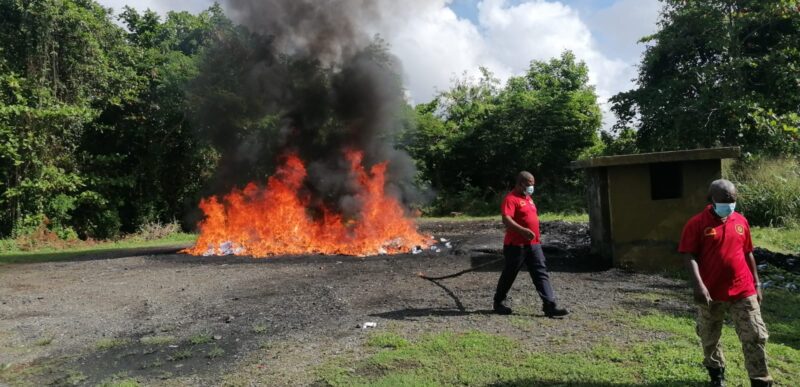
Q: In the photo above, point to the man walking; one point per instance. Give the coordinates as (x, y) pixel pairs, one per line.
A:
(719, 256)
(522, 244)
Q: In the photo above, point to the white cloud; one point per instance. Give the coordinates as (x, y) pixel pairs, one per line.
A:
(160, 6)
(435, 45)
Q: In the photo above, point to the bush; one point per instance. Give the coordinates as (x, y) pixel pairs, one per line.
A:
(769, 191)
(471, 201)
(157, 230)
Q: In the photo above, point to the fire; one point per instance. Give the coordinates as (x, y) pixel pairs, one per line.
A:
(274, 220)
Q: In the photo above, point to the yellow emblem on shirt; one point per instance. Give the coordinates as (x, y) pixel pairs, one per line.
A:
(740, 229)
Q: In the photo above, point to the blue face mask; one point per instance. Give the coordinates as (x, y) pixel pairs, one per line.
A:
(529, 190)
(724, 209)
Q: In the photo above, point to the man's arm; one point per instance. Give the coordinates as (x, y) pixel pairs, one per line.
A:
(514, 226)
(701, 294)
(751, 263)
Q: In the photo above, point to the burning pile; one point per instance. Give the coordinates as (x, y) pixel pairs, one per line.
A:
(274, 220)
(301, 92)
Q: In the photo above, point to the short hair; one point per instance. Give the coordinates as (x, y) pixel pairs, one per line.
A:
(722, 189)
(524, 176)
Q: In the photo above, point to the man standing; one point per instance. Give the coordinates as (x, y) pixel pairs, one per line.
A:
(719, 256)
(522, 244)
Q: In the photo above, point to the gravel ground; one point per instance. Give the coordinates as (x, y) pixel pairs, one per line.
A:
(59, 319)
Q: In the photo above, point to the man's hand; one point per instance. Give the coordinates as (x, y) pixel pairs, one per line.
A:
(759, 295)
(701, 294)
(528, 234)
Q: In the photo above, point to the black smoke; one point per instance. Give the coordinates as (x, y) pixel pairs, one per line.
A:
(302, 76)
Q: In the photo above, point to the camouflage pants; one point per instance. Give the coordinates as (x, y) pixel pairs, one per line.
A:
(746, 316)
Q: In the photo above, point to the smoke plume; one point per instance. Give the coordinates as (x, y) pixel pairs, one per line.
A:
(303, 76)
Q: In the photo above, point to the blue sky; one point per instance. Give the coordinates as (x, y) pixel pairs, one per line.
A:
(468, 9)
(441, 40)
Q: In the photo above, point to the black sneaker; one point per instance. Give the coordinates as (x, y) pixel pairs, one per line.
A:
(717, 376)
(554, 311)
(501, 307)
(760, 383)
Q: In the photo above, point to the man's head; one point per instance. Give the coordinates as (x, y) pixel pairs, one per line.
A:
(722, 195)
(524, 180)
(722, 191)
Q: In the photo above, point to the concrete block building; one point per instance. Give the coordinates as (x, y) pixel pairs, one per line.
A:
(639, 203)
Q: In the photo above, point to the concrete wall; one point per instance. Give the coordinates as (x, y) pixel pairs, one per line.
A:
(645, 232)
(599, 217)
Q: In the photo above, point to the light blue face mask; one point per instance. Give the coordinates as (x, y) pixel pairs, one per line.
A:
(724, 209)
(529, 190)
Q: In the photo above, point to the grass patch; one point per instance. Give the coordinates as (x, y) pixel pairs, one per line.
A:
(14, 255)
(44, 341)
(180, 355)
(386, 340)
(106, 344)
(574, 218)
(121, 380)
(157, 340)
(648, 358)
(784, 240)
(215, 352)
(201, 338)
(259, 329)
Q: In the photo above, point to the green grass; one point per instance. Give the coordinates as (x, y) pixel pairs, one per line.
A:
(180, 355)
(259, 329)
(215, 352)
(44, 341)
(778, 239)
(119, 380)
(105, 344)
(49, 254)
(665, 352)
(200, 338)
(157, 340)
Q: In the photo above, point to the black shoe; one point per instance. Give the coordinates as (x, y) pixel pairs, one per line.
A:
(553, 311)
(501, 307)
(760, 383)
(717, 376)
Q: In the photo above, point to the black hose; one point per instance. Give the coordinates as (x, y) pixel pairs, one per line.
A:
(425, 277)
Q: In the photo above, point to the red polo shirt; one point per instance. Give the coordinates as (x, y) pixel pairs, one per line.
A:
(720, 249)
(523, 211)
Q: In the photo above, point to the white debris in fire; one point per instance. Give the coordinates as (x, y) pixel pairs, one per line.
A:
(225, 248)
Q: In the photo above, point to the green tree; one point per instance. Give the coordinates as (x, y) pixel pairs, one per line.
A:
(475, 137)
(94, 131)
(721, 72)
(142, 157)
(62, 63)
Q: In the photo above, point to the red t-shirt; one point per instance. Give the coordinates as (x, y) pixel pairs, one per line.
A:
(523, 211)
(720, 249)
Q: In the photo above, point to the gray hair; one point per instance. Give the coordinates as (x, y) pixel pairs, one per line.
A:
(722, 190)
(523, 177)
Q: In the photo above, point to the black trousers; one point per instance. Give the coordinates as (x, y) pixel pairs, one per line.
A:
(533, 257)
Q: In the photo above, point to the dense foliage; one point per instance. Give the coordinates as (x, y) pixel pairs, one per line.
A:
(110, 122)
(721, 72)
(93, 135)
(472, 139)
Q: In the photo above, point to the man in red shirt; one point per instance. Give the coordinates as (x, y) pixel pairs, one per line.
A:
(522, 244)
(719, 254)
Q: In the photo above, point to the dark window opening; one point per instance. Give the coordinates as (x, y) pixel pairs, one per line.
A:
(666, 181)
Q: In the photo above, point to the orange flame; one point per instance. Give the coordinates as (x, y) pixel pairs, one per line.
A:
(273, 221)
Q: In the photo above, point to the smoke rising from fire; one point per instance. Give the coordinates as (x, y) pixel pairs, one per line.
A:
(303, 76)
